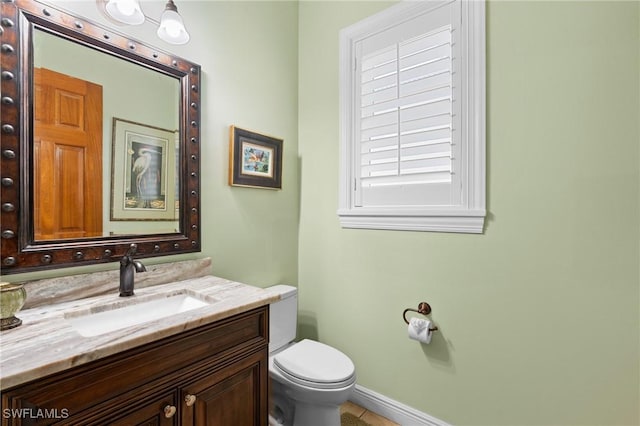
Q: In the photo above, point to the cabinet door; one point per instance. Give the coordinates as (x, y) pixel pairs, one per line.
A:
(232, 396)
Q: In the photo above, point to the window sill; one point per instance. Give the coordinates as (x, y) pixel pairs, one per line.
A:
(469, 222)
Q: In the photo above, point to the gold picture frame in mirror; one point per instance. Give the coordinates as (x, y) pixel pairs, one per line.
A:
(143, 169)
(49, 223)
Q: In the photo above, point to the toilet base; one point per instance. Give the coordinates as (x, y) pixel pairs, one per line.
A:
(315, 415)
(284, 410)
(281, 407)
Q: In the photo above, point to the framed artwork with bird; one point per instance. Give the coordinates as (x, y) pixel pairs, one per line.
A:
(144, 165)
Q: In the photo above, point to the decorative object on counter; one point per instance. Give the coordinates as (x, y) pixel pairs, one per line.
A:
(144, 165)
(170, 27)
(255, 160)
(417, 328)
(12, 297)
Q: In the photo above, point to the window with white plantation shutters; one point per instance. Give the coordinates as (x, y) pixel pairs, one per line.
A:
(406, 122)
(412, 118)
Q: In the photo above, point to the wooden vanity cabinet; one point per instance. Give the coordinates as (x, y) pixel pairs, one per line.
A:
(216, 374)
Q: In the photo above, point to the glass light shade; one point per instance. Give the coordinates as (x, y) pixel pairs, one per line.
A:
(172, 28)
(125, 11)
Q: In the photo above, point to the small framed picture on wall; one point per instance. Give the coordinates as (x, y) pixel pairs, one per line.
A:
(255, 160)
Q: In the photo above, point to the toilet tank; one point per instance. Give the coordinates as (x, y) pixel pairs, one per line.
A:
(283, 316)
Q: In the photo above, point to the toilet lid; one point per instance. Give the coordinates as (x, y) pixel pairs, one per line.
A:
(313, 363)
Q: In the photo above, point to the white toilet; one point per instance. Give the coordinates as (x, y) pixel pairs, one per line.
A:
(309, 380)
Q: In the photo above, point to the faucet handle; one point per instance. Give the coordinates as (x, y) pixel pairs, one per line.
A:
(132, 249)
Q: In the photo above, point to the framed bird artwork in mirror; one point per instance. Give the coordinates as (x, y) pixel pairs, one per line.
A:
(144, 164)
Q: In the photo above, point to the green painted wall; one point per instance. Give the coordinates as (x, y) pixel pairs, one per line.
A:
(538, 317)
(248, 53)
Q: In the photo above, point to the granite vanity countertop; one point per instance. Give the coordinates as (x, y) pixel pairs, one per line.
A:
(47, 343)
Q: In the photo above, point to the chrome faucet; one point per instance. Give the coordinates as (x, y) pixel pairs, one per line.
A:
(127, 268)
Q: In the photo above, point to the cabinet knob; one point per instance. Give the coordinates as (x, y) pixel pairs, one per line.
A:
(190, 400)
(169, 411)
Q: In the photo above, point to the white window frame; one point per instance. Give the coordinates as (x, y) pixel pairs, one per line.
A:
(467, 215)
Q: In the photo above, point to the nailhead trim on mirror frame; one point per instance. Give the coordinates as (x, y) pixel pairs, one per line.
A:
(20, 253)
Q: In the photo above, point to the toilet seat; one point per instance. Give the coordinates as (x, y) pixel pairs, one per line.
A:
(316, 365)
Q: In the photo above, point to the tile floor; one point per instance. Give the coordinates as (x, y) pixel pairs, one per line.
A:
(370, 417)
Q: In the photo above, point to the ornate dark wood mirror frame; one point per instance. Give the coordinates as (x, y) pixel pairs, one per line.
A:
(20, 251)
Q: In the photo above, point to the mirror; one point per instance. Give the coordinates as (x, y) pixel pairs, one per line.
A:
(97, 153)
(134, 194)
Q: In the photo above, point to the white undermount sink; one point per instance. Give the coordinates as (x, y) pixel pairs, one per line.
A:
(133, 311)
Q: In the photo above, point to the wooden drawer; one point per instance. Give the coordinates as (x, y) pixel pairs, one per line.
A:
(155, 409)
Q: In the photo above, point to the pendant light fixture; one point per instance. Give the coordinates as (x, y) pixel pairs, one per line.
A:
(125, 11)
(172, 28)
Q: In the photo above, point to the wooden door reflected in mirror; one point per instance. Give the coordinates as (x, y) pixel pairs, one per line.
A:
(67, 158)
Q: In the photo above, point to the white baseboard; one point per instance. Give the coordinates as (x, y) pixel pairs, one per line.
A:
(393, 410)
